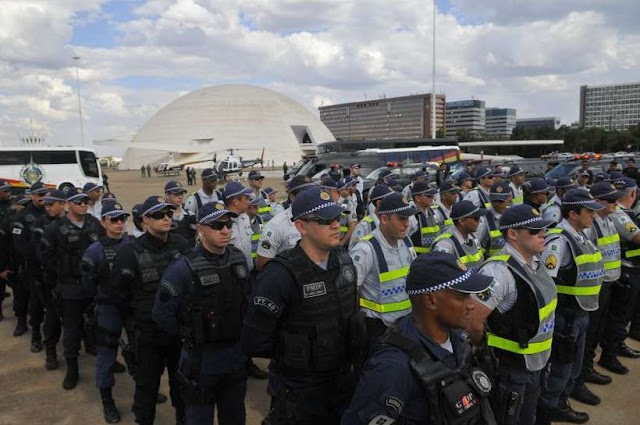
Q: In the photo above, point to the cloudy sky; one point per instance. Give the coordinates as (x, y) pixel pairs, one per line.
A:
(137, 55)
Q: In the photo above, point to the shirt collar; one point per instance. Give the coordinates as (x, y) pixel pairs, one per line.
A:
(511, 250)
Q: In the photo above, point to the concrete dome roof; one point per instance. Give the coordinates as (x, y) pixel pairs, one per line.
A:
(243, 117)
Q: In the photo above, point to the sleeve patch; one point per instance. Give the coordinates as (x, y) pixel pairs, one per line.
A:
(266, 244)
(267, 304)
(631, 227)
(395, 404)
(551, 262)
(382, 420)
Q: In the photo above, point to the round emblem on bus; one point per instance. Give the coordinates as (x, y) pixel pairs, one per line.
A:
(31, 173)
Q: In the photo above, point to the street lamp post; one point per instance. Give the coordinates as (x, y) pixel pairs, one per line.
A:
(76, 58)
(433, 77)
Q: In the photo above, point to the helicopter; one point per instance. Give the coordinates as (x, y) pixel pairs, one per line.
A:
(235, 164)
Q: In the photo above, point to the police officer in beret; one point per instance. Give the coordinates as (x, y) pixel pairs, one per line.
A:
(54, 204)
(280, 233)
(26, 298)
(519, 309)
(183, 221)
(489, 233)
(551, 210)
(133, 283)
(420, 371)
(95, 270)
(425, 219)
(459, 239)
(64, 242)
(576, 266)
(480, 195)
(303, 315)
(382, 260)
(202, 299)
(370, 222)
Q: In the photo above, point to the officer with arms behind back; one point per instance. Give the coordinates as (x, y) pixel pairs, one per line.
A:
(134, 280)
(303, 315)
(519, 310)
(575, 264)
(95, 269)
(420, 371)
(202, 298)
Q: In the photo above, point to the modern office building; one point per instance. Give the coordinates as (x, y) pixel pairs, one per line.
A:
(467, 115)
(610, 106)
(537, 122)
(499, 122)
(388, 118)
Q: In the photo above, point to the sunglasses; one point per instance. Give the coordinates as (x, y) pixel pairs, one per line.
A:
(534, 232)
(219, 225)
(159, 215)
(122, 218)
(322, 221)
(80, 202)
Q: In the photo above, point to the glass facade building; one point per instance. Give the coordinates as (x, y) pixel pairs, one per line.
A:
(610, 106)
(465, 114)
(500, 122)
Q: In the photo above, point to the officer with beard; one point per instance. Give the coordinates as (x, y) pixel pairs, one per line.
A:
(64, 243)
(202, 298)
(95, 269)
(134, 281)
(303, 315)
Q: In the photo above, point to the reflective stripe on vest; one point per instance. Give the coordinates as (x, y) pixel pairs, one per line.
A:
(632, 253)
(578, 291)
(254, 245)
(609, 246)
(264, 210)
(385, 308)
(471, 260)
(514, 347)
(427, 233)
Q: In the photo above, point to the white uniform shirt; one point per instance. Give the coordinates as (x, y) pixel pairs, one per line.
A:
(192, 203)
(474, 196)
(363, 228)
(552, 211)
(96, 210)
(241, 236)
(516, 192)
(446, 244)
(278, 235)
(359, 184)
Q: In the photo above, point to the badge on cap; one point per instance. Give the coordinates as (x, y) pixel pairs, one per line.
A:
(535, 212)
(219, 206)
(160, 199)
(462, 266)
(117, 206)
(499, 189)
(324, 196)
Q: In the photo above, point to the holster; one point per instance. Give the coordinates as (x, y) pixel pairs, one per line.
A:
(283, 408)
(189, 388)
(90, 321)
(506, 404)
(358, 340)
(130, 350)
(565, 346)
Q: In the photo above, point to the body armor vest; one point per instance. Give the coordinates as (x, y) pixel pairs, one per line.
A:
(496, 241)
(630, 250)
(454, 396)
(151, 265)
(314, 336)
(73, 243)
(109, 253)
(582, 279)
(212, 312)
(186, 227)
(470, 256)
(527, 328)
(428, 230)
(609, 246)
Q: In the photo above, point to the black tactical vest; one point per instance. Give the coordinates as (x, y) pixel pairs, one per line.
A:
(151, 266)
(73, 242)
(213, 311)
(186, 227)
(314, 335)
(454, 396)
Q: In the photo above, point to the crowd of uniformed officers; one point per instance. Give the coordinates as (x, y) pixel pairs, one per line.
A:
(479, 299)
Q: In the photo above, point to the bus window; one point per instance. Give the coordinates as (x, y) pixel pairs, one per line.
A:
(54, 157)
(14, 158)
(89, 164)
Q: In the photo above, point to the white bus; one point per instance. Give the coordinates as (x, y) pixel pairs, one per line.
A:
(54, 166)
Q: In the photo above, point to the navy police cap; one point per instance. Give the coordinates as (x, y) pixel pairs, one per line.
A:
(582, 198)
(316, 202)
(523, 216)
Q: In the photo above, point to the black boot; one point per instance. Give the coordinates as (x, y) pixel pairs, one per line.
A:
(1, 313)
(565, 413)
(583, 394)
(109, 409)
(51, 362)
(71, 378)
(36, 340)
(21, 327)
(612, 364)
(118, 367)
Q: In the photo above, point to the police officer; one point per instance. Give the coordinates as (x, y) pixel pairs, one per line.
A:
(464, 181)
(206, 194)
(536, 192)
(5, 211)
(25, 294)
(276, 208)
(349, 219)
(95, 269)
(621, 309)
(280, 233)
(382, 259)
(418, 177)
(420, 372)
(183, 222)
(64, 242)
(133, 283)
(54, 205)
(303, 315)
(255, 180)
(354, 171)
(480, 195)
(575, 264)
(136, 219)
(425, 219)
(489, 233)
(256, 227)
(237, 199)
(448, 195)
(94, 192)
(202, 299)
(516, 177)
(519, 309)
(584, 179)
(551, 210)
(459, 239)
(370, 222)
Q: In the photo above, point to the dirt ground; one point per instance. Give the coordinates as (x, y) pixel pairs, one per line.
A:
(31, 395)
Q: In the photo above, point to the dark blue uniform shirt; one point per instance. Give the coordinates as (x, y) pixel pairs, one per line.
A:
(93, 266)
(389, 389)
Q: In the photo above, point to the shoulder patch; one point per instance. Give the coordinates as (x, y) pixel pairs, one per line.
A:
(382, 420)
(266, 303)
(266, 244)
(395, 404)
(484, 295)
(630, 227)
(551, 262)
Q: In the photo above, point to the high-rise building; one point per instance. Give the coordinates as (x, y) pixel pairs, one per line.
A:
(388, 118)
(465, 115)
(610, 106)
(537, 122)
(499, 122)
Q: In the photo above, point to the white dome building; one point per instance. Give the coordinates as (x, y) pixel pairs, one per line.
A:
(214, 119)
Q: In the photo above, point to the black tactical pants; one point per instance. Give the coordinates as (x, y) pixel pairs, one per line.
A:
(52, 326)
(21, 296)
(152, 359)
(597, 322)
(36, 300)
(73, 327)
